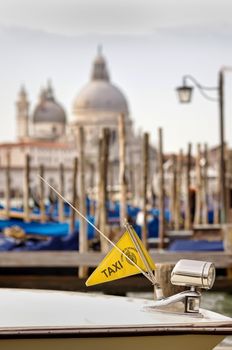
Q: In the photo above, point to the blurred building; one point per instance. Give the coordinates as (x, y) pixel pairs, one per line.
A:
(99, 104)
(47, 122)
(46, 134)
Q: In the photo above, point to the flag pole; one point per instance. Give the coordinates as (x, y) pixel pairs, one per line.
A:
(157, 289)
(101, 233)
(142, 256)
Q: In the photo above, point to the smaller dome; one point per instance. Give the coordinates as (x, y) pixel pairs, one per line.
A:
(48, 110)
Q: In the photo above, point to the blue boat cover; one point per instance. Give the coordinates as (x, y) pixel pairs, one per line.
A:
(195, 245)
(70, 242)
(45, 229)
(51, 229)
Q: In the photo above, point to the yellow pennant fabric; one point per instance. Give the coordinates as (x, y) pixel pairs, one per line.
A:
(115, 265)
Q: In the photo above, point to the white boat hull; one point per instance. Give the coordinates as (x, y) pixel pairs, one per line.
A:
(168, 342)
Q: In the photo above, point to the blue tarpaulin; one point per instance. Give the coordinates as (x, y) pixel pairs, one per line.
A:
(51, 229)
(195, 245)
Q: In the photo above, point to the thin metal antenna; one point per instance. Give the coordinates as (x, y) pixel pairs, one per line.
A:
(101, 233)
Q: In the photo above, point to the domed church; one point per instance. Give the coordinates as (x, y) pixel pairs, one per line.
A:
(98, 105)
(100, 102)
(48, 120)
(48, 136)
(49, 117)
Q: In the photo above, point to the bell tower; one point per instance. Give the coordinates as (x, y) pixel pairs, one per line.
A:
(22, 117)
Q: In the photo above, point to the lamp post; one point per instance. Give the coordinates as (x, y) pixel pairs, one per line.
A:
(185, 95)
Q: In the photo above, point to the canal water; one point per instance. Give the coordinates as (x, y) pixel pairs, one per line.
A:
(221, 303)
(218, 302)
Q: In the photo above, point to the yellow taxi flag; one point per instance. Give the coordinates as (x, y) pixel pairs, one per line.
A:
(115, 265)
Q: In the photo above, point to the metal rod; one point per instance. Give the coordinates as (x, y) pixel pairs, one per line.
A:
(101, 233)
(158, 292)
(202, 88)
(141, 254)
(190, 77)
(223, 216)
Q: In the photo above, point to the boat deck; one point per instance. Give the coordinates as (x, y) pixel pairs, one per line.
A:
(70, 312)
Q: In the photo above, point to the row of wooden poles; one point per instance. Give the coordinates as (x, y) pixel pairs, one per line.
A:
(181, 178)
(79, 173)
(201, 175)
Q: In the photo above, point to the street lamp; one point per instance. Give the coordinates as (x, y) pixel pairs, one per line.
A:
(184, 94)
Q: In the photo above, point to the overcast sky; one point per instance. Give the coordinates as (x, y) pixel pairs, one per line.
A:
(148, 45)
(74, 17)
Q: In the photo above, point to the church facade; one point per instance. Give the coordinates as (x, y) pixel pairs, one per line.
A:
(49, 137)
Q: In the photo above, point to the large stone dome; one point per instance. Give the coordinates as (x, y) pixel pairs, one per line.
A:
(48, 109)
(100, 94)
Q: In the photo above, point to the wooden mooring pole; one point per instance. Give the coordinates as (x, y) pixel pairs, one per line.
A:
(92, 187)
(198, 212)
(26, 189)
(205, 187)
(122, 169)
(99, 186)
(161, 191)
(173, 191)
(216, 217)
(104, 156)
(177, 216)
(145, 183)
(188, 219)
(7, 188)
(60, 200)
(83, 239)
(132, 171)
(229, 185)
(42, 194)
(111, 182)
(74, 195)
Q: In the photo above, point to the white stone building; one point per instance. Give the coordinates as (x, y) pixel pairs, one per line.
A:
(47, 135)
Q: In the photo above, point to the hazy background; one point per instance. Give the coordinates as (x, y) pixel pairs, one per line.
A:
(148, 44)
